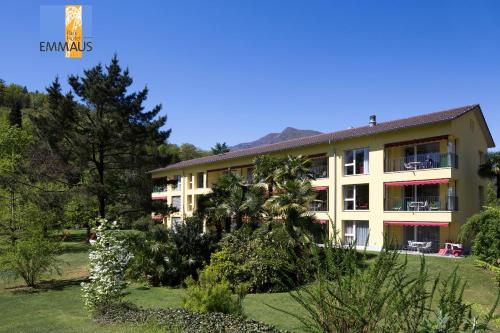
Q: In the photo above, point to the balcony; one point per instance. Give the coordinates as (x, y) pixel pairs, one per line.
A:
(320, 204)
(421, 162)
(420, 154)
(432, 195)
(159, 188)
(422, 204)
(319, 167)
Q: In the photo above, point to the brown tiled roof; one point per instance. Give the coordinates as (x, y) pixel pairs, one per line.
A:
(387, 126)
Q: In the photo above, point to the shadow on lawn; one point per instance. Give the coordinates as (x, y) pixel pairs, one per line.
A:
(48, 285)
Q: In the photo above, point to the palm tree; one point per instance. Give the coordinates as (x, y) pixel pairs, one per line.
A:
(233, 200)
(220, 148)
(265, 171)
(294, 167)
(291, 201)
(491, 169)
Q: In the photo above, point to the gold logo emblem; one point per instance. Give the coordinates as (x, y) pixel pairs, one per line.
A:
(73, 31)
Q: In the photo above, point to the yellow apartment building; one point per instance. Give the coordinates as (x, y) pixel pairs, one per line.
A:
(408, 179)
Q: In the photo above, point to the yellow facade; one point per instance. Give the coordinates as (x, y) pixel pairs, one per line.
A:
(465, 137)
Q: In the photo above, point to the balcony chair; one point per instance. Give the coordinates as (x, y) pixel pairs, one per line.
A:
(426, 248)
(410, 247)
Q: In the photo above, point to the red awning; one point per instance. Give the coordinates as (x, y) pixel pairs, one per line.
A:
(158, 198)
(320, 188)
(412, 142)
(418, 182)
(418, 223)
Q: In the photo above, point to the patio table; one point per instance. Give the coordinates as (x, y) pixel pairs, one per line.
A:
(419, 245)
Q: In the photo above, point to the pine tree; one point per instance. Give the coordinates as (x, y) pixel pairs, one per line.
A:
(108, 138)
(15, 114)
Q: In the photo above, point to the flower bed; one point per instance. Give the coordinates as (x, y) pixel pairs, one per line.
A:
(183, 320)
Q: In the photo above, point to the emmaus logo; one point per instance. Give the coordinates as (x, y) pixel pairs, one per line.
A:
(73, 45)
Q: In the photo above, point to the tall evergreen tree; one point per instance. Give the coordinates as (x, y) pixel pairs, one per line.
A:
(15, 114)
(106, 137)
(15, 98)
(220, 148)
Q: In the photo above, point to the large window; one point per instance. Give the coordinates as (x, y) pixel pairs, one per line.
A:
(356, 161)
(356, 232)
(177, 185)
(199, 180)
(356, 197)
(319, 167)
(176, 202)
(320, 204)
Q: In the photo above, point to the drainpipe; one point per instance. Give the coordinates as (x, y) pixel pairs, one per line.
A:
(334, 190)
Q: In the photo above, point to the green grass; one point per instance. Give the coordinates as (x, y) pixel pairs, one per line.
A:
(58, 307)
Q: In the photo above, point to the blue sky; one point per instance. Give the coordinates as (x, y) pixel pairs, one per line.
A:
(236, 70)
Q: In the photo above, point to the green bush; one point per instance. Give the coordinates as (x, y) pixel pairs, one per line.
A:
(163, 256)
(30, 258)
(483, 230)
(210, 295)
(260, 260)
(382, 296)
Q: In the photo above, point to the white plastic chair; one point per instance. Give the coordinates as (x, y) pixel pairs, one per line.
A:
(426, 248)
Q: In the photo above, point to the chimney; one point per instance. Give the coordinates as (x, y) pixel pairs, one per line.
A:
(373, 120)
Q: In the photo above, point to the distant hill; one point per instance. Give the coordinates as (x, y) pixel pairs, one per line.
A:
(288, 133)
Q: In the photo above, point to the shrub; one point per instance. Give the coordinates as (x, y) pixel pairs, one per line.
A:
(163, 256)
(210, 295)
(381, 297)
(182, 320)
(484, 231)
(108, 258)
(30, 258)
(261, 260)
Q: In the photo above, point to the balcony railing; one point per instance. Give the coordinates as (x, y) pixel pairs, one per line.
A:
(159, 188)
(319, 171)
(422, 162)
(318, 206)
(422, 204)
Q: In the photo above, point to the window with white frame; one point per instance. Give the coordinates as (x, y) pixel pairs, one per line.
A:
(356, 232)
(176, 185)
(356, 197)
(356, 161)
(176, 202)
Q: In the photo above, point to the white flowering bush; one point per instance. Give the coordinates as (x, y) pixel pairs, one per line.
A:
(108, 258)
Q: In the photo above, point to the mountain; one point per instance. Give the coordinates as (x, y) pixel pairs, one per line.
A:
(288, 133)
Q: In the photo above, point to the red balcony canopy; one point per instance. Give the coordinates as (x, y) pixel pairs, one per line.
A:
(158, 198)
(320, 188)
(418, 182)
(412, 142)
(418, 223)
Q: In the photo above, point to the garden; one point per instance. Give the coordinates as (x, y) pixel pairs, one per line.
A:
(80, 252)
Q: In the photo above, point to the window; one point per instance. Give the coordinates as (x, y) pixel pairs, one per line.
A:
(189, 202)
(177, 186)
(190, 181)
(356, 232)
(356, 161)
(319, 167)
(175, 222)
(356, 197)
(199, 180)
(320, 204)
(176, 202)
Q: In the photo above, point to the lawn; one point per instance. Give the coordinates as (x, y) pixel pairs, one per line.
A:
(58, 306)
